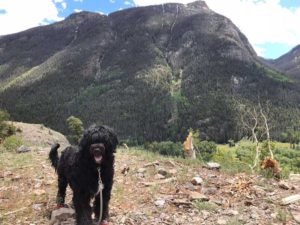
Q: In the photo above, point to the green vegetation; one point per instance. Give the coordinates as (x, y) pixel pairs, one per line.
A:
(208, 206)
(12, 143)
(236, 159)
(75, 126)
(283, 216)
(240, 157)
(277, 75)
(206, 150)
(167, 148)
(6, 129)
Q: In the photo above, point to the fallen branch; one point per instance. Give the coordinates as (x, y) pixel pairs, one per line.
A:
(15, 211)
(171, 179)
(290, 199)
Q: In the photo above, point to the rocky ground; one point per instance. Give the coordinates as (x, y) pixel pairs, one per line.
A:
(150, 189)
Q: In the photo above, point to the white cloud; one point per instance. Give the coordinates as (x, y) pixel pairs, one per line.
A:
(77, 10)
(78, 0)
(262, 21)
(112, 1)
(64, 5)
(127, 3)
(20, 15)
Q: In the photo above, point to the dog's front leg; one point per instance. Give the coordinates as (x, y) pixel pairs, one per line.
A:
(83, 209)
(107, 175)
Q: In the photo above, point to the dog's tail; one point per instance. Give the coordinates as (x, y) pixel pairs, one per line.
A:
(53, 155)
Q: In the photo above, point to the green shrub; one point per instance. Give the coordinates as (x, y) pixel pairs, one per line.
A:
(229, 163)
(289, 159)
(75, 126)
(207, 206)
(231, 143)
(246, 154)
(206, 150)
(168, 148)
(265, 149)
(12, 143)
(6, 129)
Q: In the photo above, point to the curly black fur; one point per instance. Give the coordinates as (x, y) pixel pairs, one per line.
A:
(77, 166)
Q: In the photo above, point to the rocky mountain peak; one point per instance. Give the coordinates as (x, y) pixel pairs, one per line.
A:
(84, 16)
(198, 5)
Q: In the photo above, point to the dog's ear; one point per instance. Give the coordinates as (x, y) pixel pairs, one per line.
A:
(84, 141)
(113, 139)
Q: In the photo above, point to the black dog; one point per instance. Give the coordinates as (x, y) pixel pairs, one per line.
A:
(78, 167)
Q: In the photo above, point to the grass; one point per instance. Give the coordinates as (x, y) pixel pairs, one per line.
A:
(277, 76)
(235, 221)
(13, 161)
(208, 206)
(283, 216)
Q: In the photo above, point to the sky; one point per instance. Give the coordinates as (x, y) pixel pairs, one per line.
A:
(271, 26)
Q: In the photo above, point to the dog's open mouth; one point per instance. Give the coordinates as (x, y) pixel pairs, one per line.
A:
(97, 157)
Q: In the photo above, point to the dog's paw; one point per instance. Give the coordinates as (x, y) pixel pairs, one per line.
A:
(62, 206)
(104, 222)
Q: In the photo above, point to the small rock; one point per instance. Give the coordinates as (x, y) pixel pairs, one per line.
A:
(7, 173)
(198, 196)
(218, 202)
(160, 203)
(155, 163)
(221, 221)
(172, 172)
(159, 177)
(209, 191)
(37, 185)
(23, 149)
(189, 186)
(15, 178)
(125, 170)
(61, 214)
(197, 181)
(274, 215)
(142, 170)
(162, 171)
(231, 212)
(254, 216)
(205, 214)
(39, 192)
(283, 185)
(213, 166)
(248, 203)
(37, 206)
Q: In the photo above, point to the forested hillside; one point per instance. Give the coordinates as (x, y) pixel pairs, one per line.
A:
(150, 72)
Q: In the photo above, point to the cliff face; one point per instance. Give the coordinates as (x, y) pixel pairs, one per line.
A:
(150, 72)
(289, 63)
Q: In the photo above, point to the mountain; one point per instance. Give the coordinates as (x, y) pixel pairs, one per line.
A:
(289, 63)
(150, 72)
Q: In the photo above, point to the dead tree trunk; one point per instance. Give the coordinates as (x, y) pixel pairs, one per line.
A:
(250, 121)
(267, 132)
(189, 150)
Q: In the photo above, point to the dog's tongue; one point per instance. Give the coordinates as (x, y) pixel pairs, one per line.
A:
(98, 159)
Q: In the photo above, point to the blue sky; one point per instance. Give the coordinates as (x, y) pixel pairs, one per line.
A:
(271, 26)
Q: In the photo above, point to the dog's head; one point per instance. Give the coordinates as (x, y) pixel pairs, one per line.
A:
(98, 143)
